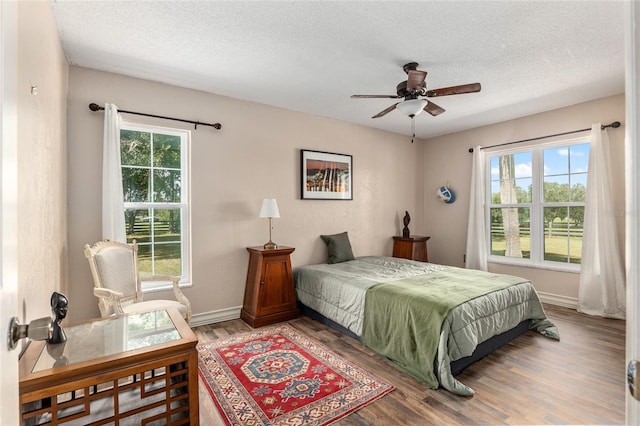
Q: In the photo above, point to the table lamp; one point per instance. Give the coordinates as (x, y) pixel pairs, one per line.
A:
(269, 209)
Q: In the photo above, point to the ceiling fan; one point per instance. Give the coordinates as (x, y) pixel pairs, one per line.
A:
(413, 89)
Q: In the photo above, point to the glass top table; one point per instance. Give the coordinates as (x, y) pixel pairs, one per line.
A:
(108, 336)
(116, 370)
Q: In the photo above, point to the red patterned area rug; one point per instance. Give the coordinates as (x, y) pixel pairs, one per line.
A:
(279, 376)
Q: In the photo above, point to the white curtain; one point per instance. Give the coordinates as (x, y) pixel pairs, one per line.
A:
(602, 280)
(112, 197)
(476, 228)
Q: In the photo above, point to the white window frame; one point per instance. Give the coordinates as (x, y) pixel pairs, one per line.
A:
(536, 206)
(184, 205)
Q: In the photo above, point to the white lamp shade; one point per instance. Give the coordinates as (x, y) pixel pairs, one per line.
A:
(412, 107)
(269, 208)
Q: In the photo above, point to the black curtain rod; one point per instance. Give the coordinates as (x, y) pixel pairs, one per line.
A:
(615, 125)
(96, 107)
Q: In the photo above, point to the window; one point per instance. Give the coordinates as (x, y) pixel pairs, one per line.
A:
(536, 204)
(155, 186)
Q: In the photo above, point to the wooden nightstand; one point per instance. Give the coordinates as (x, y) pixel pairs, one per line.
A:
(413, 247)
(269, 296)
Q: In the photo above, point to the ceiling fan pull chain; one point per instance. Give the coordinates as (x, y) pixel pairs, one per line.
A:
(413, 128)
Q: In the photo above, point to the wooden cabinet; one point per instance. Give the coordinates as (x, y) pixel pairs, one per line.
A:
(269, 295)
(413, 247)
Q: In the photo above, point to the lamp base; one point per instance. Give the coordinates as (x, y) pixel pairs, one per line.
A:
(270, 245)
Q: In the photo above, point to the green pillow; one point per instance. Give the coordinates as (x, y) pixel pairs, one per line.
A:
(339, 247)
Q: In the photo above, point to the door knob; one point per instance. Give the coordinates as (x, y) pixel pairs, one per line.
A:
(39, 329)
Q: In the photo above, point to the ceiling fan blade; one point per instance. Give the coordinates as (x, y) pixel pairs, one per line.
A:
(433, 109)
(376, 96)
(454, 90)
(415, 80)
(386, 111)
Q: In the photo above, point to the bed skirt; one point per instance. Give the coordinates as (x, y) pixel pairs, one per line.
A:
(457, 366)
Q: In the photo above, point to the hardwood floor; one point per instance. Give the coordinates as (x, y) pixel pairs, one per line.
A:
(532, 380)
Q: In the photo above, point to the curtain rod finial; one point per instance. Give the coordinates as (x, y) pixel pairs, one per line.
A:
(613, 125)
(470, 149)
(94, 107)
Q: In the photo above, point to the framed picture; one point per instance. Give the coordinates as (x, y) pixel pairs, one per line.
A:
(326, 176)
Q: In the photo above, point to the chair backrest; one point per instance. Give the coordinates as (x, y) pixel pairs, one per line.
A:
(114, 266)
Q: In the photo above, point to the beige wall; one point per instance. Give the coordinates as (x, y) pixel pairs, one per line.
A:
(42, 207)
(447, 160)
(255, 155)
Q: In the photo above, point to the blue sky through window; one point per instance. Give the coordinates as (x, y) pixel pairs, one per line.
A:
(567, 164)
(561, 165)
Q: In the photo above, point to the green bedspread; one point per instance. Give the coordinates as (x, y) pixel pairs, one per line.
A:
(403, 319)
(386, 302)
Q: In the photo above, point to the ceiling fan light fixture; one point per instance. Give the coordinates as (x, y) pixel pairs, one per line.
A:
(412, 107)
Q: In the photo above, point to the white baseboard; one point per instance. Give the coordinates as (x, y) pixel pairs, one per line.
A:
(558, 300)
(215, 316)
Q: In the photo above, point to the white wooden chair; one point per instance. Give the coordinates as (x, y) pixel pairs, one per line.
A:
(117, 283)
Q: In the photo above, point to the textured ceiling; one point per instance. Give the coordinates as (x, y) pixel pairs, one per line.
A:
(529, 56)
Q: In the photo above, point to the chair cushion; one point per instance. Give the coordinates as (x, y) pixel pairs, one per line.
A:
(116, 269)
(154, 305)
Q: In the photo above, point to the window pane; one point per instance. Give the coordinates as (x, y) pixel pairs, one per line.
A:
(556, 161)
(145, 259)
(167, 226)
(166, 186)
(137, 224)
(166, 151)
(556, 243)
(158, 234)
(135, 148)
(554, 214)
(523, 190)
(579, 158)
(495, 192)
(135, 184)
(563, 234)
(495, 180)
(578, 187)
(522, 162)
(576, 215)
(506, 166)
(556, 189)
(160, 259)
(511, 178)
(565, 171)
(167, 259)
(510, 232)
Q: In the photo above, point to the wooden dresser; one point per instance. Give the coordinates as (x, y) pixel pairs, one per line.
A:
(413, 247)
(269, 295)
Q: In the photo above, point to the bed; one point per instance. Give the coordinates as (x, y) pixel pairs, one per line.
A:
(430, 320)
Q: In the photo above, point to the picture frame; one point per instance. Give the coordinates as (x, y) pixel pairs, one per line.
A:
(325, 175)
